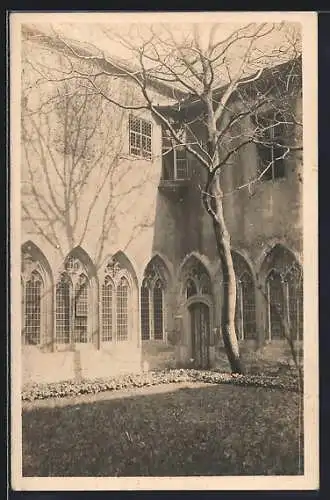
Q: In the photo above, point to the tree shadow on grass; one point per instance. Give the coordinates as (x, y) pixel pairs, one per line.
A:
(210, 430)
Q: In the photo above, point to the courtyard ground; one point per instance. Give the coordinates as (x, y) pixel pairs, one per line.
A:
(170, 430)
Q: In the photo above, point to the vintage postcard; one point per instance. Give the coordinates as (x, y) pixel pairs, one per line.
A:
(164, 328)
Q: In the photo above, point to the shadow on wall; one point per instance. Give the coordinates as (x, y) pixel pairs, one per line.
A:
(168, 226)
(87, 363)
(180, 221)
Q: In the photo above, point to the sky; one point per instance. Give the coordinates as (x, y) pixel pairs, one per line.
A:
(97, 34)
(94, 32)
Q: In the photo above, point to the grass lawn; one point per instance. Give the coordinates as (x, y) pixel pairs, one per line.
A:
(178, 429)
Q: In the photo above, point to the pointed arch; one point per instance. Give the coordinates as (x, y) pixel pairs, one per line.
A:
(194, 277)
(274, 252)
(283, 277)
(37, 296)
(245, 312)
(126, 264)
(37, 255)
(154, 291)
(196, 257)
(166, 263)
(242, 262)
(81, 254)
(76, 299)
(196, 307)
(118, 298)
(156, 269)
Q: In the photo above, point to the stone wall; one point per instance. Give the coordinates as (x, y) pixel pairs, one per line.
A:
(269, 358)
(147, 221)
(158, 355)
(90, 363)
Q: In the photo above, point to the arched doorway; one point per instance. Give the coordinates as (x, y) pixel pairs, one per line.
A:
(200, 334)
(196, 312)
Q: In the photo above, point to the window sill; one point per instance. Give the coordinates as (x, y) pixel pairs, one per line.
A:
(153, 340)
(138, 157)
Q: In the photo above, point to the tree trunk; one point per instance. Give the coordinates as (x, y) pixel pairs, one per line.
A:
(229, 280)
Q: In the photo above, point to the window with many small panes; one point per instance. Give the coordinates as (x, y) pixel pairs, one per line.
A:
(140, 135)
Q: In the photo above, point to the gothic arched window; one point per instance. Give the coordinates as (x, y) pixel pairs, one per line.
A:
(246, 307)
(36, 294)
(245, 312)
(158, 310)
(72, 303)
(294, 293)
(116, 297)
(145, 313)
(32, 308)
(284, 289)
(153, 301)
(107, 305)
(197, 281)
(63, 312)
(276, 307)
(122, 309)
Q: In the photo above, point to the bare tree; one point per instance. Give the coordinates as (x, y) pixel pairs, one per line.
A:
(231, 88)
(71, 139)
(291, 324)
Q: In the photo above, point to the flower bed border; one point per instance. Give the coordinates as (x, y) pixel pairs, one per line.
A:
(74, 388)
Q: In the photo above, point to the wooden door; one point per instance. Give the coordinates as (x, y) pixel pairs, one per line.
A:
(200, 334)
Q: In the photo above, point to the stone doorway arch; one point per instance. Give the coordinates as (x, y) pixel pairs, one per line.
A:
(196, 314)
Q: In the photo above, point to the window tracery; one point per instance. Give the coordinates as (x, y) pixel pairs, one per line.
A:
(152, 301)
(116, 291)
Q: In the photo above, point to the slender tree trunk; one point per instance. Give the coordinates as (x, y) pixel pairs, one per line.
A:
(229, 280)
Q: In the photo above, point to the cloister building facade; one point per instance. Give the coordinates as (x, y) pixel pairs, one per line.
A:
(151, 298)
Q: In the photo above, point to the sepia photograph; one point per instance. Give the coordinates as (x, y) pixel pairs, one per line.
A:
(164, 329)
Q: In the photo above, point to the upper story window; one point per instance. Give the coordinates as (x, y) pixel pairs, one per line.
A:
(174, 159)
(140, 143)
(271, 133)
